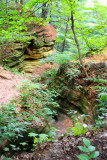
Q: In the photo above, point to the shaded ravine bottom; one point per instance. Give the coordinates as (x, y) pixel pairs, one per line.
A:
(63, 124)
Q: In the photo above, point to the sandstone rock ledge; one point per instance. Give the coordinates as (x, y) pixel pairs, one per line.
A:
(25, 56)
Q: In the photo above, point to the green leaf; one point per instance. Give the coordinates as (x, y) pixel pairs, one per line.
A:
(83, 157)
(43, 136)
(84, 149)
(23, 143)
(33, 134)
(94, 154)
(6, 149)
(91, 148)
(86, 142)
(36, 140)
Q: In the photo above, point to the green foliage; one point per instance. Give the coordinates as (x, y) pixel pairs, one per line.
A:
(48, 76)
(72, 73)
(79, 129)
(59, 58)
(14, 20)
(36, 108)
(36, 94)
(5, 158)
(101, 108)
(40, 138)
(11, 126)
(88, 149)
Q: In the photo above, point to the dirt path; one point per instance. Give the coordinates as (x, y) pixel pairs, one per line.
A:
(8, 83)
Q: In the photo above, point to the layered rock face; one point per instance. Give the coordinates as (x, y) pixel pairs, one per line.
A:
(26, 56)
(40, 47)
(11, 54)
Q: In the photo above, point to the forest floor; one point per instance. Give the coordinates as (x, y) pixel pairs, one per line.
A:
(65, 147)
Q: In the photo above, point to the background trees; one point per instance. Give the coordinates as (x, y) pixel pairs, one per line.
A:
(90, 22)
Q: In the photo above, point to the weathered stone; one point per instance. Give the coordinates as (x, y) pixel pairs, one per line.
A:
(32, 61)
(15, 54)
(46, 32)
(29, 66)
(11, 54)
(38, 54)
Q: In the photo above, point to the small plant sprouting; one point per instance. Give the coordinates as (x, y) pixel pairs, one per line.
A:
(88, 149)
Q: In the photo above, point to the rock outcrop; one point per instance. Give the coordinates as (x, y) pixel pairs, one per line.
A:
(12, 54)
(75, 91)
(25, 56)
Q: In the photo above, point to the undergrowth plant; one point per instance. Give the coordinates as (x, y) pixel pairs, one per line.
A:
(79, 129)
(42, 137)
(88, 149)
(36, 95)
(102, 103)
(10, 126)
(28, 115)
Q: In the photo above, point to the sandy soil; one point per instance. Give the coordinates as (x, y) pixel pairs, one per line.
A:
(8, 83)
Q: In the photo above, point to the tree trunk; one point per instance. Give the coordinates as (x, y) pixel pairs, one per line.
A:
(77, 44)
(16, 1)
(21, 2)
(66, 30)
(6, 6)
(44, 11)
(50, 10)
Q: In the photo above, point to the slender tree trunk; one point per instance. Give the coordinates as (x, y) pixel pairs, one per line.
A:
(16, 1)
(77, 43)
(44, 11)
(66, 30)
(21, 2)
(6, 6)
(50, 10)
